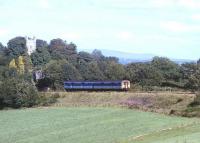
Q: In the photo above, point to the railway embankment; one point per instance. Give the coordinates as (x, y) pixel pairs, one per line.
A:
(171, 103)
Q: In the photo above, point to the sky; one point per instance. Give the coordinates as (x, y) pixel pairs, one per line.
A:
(168, 28)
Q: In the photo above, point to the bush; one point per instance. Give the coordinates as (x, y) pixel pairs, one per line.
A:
(17, 93)
(196, 101)
(46, 99)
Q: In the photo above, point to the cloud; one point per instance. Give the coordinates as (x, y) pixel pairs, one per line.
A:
(189, 3)
(196, 17)
(192, 4)
(71, 36)
(125, 35)
(163, 3)
(175, 26)
(3, 32)
(162, 38)
(44, 4)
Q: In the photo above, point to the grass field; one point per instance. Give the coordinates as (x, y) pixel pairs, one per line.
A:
(94, 125)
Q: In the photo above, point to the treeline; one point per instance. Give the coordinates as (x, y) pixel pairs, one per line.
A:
(60, 61)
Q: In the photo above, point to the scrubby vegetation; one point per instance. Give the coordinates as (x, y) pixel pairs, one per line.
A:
(17, 93)
(170, 103)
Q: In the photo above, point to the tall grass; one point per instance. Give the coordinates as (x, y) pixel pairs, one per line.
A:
(163, 102)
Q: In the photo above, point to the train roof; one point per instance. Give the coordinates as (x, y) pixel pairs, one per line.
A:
(105, 81)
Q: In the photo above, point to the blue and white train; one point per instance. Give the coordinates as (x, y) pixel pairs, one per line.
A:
(97, 85)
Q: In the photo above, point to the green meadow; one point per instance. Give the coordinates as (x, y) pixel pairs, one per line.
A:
(95, 125)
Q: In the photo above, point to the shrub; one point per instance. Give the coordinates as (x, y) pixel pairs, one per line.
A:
(17, 93)
(46, 99)
(196, 101)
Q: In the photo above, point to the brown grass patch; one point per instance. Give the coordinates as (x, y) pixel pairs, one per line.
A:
(160, 102)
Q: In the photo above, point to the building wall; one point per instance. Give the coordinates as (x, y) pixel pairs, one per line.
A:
(31, 44)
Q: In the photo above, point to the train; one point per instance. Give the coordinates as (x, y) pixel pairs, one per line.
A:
(97, 85)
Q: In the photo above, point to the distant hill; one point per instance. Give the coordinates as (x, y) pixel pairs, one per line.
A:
(125, 57)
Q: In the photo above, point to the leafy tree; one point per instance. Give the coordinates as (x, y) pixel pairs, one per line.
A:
(54, 72)
(144, 74)
(97, 54)
(59, 50)
(41, 43)
(169, 69)
(13, 64)
(21, 65)
(70, 72)
(17, 93)
(189, 75)
(114, 71)
(83, 68)
(94, 72)
(193, 83)
(57, 71)
(84, 56)
(4, 72)
(18, 64)
(2, 49)
(193, 80)
(112, 59)
(90, 71)
(56, 44)
(71, 46)
(188, 69)
(17, 47)
(198, 61)
(72, 53)
(41, 56)
(3, 60)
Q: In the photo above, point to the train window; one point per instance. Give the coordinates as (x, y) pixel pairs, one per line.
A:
(87, 83)
(117, 84)
(67, 84)
(77, 84)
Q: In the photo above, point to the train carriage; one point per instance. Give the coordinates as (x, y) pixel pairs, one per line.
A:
(97, 85)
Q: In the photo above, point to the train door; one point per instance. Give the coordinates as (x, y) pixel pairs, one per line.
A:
(125, 86)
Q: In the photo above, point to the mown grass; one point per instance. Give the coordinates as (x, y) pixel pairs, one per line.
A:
(87, 125)
(184, 134)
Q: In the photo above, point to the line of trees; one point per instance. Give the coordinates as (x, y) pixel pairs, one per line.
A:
(60, 61)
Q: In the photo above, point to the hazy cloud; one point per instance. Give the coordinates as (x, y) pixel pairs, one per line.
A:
(3, 32)
(125, 35)
(71, 36)
(162, 3)
(175, 26)
(190, 3)
(44, 4)
(196, 17)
